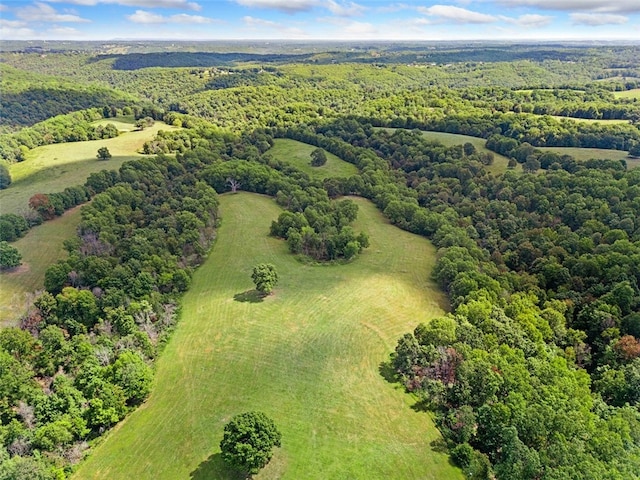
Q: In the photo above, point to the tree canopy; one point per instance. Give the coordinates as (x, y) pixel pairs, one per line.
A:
(249, 440)
(265, 277)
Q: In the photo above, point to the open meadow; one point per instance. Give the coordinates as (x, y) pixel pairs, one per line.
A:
(298, 154)
(582, 154)
(52, 168)
(40, 247)
(309, 356)
(591, 120)
(633, 93)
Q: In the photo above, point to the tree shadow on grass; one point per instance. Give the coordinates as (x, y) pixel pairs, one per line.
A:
(215, 468)
(250, 296)
(388, 373)
(439, 445)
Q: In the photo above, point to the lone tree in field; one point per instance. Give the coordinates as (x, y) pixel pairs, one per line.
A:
(103, 153)
(265, 277)
(248, 441)
(9, 256)
(318, 157)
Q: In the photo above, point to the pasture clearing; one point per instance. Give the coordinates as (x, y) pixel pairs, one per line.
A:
(40, 247)
(298, 154)
(590, 120)
(633, 93)
(309, 356)
(52, 168)
(582, 154)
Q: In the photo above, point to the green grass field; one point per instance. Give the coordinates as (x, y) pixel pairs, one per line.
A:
(634, 93)
(589, 120)
(298, 154)
(308, 356)
(40, 247)
(582, 154)
(52, 168)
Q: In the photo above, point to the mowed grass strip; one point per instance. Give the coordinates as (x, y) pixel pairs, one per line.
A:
(52, 168)
(308, 356)
(582, 154)
(633, 93)
(591, 120)
(40, 247)
(298, 154)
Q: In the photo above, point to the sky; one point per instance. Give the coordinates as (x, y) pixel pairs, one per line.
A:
(320, 20)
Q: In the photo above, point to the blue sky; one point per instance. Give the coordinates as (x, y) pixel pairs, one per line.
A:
(320, 19)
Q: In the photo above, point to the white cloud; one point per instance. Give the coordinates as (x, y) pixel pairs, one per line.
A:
(596, 6)
(346, 9)
(349, 29)
(41, 12)
(177, 4)
(529, 21)
(597, 19)
(259, 22)
(144, 17)
(12, 23)
(287, 6)
(280, 30)
(21, 33)
(457, 14)
(394, 7)
(65, 32)
(360, 29)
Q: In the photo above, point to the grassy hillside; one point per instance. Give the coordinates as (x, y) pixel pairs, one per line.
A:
(308, 356)
(634, 93)
(298, 154)
(582, 154)
(40, 247)
(590, 120)
(52, 168)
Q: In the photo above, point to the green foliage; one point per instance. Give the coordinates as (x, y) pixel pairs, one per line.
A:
(248, 442)
(12, 227)
(10, 257)
(103, 153)
(265, 278)
(133, 375)
(318, 157)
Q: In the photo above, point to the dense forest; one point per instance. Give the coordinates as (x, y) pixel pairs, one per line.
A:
(535, 371)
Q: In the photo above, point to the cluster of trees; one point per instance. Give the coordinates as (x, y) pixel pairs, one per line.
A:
(10, 257)
(322, 231)
(30, 98)
(82, 357)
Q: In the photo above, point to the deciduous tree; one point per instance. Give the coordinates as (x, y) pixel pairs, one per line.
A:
(265, 277)
(248, 441)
